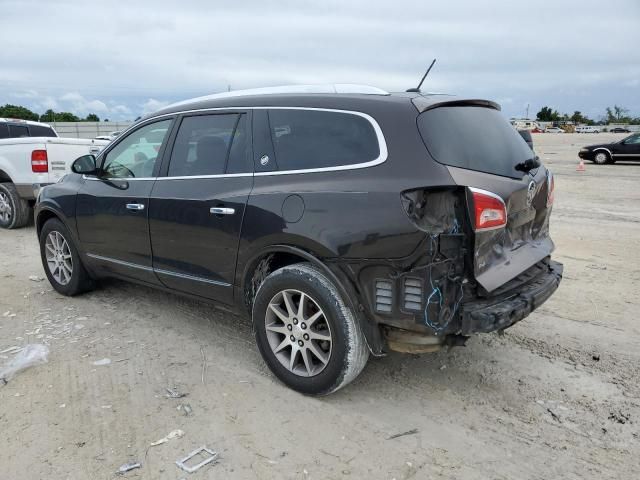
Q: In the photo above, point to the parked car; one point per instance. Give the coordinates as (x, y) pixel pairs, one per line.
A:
(108, 137)
(16, 128)
(587, 129)
(626, 149)
(620, 130)
(29, 163)
(554, 130)
(344, 220)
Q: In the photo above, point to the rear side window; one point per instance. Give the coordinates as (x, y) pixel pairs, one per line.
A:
(41, 131)
(4, 130)
(308, 139)
(17, 131)
(475, 138)
(210, 145)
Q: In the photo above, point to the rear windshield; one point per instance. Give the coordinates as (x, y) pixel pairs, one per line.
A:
(475, 138)
(41, 131)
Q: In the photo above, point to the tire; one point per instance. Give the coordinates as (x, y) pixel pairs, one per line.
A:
(333, 343)
(72, 278)
(14, 211)
(601, 158)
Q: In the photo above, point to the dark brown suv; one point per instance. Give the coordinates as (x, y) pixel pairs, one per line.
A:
(345, 220)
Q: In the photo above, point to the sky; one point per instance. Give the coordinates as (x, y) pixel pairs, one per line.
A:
(121, 60)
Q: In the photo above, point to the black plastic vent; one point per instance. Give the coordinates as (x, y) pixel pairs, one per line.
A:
(384, 295)
(413, 294)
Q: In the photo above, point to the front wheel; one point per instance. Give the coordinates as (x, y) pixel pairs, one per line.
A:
(14, 211)
(601, 158)
(307, 334)
(61, 260)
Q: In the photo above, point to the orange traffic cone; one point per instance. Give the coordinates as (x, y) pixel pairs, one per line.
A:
(580, 167)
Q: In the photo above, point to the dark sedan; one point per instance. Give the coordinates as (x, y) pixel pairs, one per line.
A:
(620, 130)
(626, 149)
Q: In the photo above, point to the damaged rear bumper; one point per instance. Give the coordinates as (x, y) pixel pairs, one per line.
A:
(502, 311)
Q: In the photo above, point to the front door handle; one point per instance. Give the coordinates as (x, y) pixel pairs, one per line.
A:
(222, 211)
(135, 206)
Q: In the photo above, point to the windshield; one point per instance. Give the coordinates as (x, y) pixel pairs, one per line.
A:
(475, 138)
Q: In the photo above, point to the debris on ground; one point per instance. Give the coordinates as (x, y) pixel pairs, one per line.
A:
(127, 467)
(31, 355)
(104, 361)
(205, 453)
(554, 415)
(619, 417)
(174, 434)
(185, 408)
(35, 278)
(596, 357)
(175, 393)
(413, 431)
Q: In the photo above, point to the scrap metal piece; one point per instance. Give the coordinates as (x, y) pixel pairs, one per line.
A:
(413, 431)
(182, 463)
(127, 467)
(174, 393)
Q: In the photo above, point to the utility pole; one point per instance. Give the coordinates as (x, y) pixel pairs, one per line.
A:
(527, 115)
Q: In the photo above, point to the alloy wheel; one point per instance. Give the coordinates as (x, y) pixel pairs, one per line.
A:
(5, 208)
(59, 259)
(298, 333)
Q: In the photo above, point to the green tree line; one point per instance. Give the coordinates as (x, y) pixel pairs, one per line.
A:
(23, 113)
(615, 114)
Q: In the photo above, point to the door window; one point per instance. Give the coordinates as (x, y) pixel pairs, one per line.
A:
(633, 140)
(136, 155)
(17, 131)
(307, 139)
(210, 145)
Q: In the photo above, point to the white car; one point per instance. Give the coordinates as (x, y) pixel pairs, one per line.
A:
(587, 129)
(108, 137)
(554, 130)
(29, 163)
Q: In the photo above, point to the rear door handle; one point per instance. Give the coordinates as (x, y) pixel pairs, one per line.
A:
(222, 211)
(135, 206)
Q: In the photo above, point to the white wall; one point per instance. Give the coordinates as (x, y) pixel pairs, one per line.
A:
(87, 129)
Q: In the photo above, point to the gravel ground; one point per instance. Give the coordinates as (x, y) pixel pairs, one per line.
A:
(557, 396)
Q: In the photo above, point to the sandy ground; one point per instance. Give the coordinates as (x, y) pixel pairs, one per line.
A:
(558, 396)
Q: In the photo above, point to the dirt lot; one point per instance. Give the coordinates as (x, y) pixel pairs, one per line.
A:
(558, 396)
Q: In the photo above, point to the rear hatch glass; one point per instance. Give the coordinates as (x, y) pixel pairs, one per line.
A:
(475, 138)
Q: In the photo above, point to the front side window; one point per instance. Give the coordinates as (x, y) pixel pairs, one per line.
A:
(210, 145)
(633, 140)
(308, 139)
(41, 131)
(135, 156)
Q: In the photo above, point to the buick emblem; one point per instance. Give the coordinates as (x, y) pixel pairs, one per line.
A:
(531, 192)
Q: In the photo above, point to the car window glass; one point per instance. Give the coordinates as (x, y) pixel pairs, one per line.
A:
(210, 145)
(17, 131)
(4, 130)
(633, 140)
(304, 139)
(136, 154)
(41, 131)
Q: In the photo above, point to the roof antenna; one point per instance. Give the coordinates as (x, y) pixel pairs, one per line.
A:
(417, 89)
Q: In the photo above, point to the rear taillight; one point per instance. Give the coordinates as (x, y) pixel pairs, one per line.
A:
(551, 187)
(39, 161)
(489, 210)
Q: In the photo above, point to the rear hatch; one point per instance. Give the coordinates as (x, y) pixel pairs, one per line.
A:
(488, 157)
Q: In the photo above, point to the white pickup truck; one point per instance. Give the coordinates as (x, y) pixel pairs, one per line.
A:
(29, 163)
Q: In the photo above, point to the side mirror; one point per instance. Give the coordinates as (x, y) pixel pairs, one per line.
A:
(84, 165)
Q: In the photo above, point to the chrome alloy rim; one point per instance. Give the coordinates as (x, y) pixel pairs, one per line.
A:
(5, 208)
(59, 259)
(298, 333)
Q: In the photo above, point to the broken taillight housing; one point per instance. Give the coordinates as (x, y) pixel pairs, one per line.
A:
(551, 187)
(39, 161)
(489, 210)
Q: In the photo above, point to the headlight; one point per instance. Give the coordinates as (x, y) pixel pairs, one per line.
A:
(584, 150)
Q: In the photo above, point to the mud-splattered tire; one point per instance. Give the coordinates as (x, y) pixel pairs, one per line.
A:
(601, 158)
(61, 260)
(323, 337)
(14, 211)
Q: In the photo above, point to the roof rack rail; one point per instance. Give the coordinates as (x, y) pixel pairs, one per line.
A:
(320, 88)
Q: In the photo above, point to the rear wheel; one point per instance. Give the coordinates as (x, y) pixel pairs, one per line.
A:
(14, 211)
(601, 158)
(305, 331)
(61, 260)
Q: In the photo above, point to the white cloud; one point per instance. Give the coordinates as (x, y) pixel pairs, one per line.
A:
(153, 105)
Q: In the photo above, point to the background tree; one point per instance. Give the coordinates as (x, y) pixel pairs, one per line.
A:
(15, 111)
(547, 114)
(92, 117)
